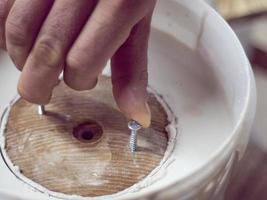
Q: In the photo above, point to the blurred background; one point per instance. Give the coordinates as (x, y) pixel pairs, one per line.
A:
(248, 18)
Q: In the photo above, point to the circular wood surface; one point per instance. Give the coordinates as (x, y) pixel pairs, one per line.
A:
(47, 151)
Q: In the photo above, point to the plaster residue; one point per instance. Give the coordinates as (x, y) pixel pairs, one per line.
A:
(157, 174)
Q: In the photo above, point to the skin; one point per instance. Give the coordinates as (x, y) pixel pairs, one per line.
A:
(44, 38)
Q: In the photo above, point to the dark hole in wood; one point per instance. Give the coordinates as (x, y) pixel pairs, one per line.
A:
(87, 135)
(88, 132)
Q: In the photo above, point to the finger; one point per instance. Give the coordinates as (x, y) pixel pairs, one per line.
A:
(22, 26)
(5, 6)
(129, 74)
(107, 29)
(44, 64)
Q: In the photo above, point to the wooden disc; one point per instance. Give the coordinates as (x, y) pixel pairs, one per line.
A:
(80, 146)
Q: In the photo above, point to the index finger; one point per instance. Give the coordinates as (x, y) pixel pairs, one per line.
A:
(46, 60)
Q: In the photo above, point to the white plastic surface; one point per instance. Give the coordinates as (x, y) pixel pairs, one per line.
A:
(198, 65)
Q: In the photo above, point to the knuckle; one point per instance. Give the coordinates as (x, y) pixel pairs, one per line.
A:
(101, 21)
(120, 10)
(128, 5)
(76, 62)
(121, 4)
(48, 52)
(132, 7)
(16, 33)
(140, 77)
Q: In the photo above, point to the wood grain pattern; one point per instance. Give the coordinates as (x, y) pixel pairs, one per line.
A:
(47, 152)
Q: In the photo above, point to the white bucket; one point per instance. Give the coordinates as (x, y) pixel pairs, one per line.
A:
(199, 67)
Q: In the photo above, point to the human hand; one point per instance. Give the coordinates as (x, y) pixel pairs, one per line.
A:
(46, 37)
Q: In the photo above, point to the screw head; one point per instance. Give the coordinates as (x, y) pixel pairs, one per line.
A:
(134, 125)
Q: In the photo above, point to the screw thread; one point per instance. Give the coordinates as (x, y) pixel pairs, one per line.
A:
(133, 141)
(134, 127)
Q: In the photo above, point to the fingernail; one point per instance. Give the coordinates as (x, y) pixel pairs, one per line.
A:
(133, 104)
(143, 115)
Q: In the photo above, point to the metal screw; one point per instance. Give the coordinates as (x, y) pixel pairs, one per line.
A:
(41, 109)
(134, 127)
